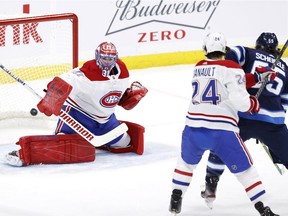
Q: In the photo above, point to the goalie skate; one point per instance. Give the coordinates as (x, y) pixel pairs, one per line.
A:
(13, 159)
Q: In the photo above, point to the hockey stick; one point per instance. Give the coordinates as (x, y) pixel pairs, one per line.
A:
(280, 170)
(74, 124)
(263, 85)
(259, 92)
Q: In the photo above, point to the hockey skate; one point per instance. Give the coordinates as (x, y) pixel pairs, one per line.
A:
(264, 211)
(13, 159)
(176, 202)
(209, 194)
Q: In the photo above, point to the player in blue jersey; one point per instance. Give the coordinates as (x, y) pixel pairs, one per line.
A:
(219, 91)
(268, 125)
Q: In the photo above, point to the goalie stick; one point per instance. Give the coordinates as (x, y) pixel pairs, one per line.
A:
(74, 124)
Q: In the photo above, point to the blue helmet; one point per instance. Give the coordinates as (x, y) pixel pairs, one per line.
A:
(267, 41)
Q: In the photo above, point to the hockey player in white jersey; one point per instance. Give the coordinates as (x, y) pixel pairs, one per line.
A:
(219, 92)
(90, 95)
(268, 126)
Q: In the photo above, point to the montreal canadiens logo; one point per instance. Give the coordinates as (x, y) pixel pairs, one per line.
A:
(111, 99)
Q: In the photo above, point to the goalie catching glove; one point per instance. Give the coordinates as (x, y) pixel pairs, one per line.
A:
(133, 95)
(57, 92)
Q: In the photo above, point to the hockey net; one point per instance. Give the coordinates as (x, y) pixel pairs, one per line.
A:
(35, 49)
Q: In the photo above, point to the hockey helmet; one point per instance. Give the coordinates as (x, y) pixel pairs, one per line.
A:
(267, 41)
(106, 56)
(214, 42)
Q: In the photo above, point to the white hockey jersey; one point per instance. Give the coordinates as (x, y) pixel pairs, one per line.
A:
(219, 92)
(93, 94)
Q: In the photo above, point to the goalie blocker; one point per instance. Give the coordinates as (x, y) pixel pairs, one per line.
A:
(70, 148)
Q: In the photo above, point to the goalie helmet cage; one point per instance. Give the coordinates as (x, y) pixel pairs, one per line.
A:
(36, 49)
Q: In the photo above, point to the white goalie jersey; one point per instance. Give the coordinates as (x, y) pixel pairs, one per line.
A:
(219, 92)
(93, 94)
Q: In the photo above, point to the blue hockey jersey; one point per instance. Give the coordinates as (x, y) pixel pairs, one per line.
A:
(274, 98)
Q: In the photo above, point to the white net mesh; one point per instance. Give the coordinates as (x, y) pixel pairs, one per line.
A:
(35, 52)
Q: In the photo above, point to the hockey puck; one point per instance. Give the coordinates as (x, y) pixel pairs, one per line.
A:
(33, 112)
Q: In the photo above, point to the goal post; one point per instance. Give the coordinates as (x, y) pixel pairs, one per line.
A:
(36, 49)
(46, 18)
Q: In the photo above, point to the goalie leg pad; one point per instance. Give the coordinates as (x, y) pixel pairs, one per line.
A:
(136, 132)
(55, 149)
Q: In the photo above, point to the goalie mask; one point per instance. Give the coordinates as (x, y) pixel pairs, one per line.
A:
(214, 42)
(268, 42)
(106, 56)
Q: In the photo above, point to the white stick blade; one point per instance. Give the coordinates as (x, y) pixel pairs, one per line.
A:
(113, 134)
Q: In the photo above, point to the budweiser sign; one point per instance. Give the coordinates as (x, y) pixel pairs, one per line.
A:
(133, 13)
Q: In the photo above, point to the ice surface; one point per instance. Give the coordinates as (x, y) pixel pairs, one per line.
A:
(129, 184)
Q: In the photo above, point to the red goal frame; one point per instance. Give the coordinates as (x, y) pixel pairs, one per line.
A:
(52, 17)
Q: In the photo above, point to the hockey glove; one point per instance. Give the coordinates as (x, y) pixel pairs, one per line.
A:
(264, 72)
(254, 105)
(57, 92)
(132, 95)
